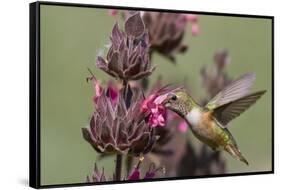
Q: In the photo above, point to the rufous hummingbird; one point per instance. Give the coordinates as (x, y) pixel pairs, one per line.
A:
(209, 123)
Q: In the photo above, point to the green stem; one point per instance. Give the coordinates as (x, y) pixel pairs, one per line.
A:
(118, 167)
(129, 161)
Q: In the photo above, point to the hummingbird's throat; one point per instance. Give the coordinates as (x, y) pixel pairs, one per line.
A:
(194, 116)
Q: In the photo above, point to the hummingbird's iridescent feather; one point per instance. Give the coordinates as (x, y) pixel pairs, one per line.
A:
(225, 113)
(235, 90)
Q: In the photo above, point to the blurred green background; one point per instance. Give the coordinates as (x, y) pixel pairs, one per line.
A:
(72, 37)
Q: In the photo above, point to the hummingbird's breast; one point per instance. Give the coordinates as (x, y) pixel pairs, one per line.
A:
(205, 128)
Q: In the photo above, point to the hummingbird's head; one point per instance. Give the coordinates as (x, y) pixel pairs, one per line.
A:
(179, 102)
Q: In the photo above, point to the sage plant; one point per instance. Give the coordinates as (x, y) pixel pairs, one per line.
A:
(129, 121)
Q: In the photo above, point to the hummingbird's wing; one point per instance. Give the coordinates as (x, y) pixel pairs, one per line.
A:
(233, 91)
(227, 112)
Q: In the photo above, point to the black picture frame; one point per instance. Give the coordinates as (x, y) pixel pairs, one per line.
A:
(34, 98)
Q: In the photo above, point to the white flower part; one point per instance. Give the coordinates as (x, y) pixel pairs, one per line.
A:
(194, 116)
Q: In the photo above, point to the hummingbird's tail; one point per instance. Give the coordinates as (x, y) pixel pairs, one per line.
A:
(235, 152)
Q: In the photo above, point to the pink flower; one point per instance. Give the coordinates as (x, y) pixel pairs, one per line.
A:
(112, 91)
(136, 173)
(195, 29)
(193, 19)
(112, 12)
(97, 86)
(157, 112)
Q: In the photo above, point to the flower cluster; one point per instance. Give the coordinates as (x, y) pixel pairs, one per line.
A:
(99, 176)
(214, 78)
(128, 55)
(96, 176)
(149, 174)
(118, 125)
(166, 31)
(157, 113)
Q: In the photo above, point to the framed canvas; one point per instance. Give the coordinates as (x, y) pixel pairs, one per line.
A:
(122, 94)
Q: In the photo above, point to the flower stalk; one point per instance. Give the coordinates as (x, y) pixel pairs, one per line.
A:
(118, 167)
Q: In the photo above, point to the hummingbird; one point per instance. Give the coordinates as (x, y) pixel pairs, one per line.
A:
(209, 123)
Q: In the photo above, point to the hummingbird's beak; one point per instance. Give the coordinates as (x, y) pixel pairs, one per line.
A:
(166, 102)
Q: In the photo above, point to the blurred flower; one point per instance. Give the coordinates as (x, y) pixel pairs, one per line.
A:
(222, 59)
(195, 29)
(166, 31)
(112, 91)
(200, 160)
(193, 19)
(97, 176)
(112, 12)
(119, 127)
(136, 173)
(214, 78)
(128, 56)
(182, 127)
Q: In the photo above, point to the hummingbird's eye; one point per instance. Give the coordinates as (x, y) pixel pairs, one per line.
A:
(174, 98)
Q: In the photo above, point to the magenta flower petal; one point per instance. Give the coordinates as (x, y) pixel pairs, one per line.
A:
(135, 175)
(97, 86)
(152, 171)
(157, 112)
(147, 104)
(195, 29)
(149, 175)
(112, 90)
(191, 17)
(113, 94)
